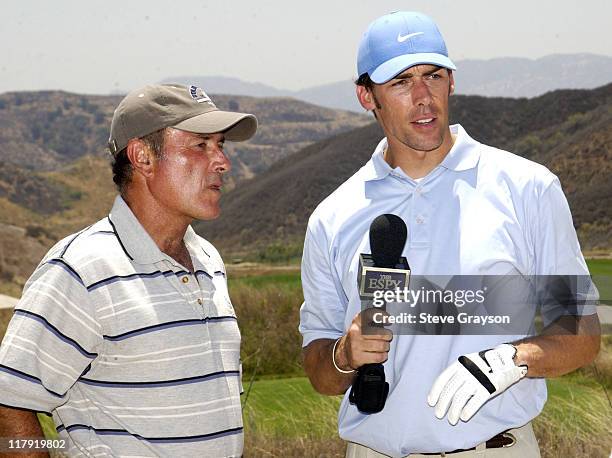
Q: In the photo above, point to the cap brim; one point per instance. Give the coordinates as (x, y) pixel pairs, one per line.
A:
(397, 65)
(237, 127)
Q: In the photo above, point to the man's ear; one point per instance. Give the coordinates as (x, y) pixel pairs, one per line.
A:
(451, 88)
(141, 156)
(365, 97)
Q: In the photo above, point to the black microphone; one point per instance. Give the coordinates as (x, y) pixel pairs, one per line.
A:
(383, 270)
(388, 235)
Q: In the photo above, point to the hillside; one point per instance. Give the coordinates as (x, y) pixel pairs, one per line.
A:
(33, 190)
(47, 130)
(54, 171)
(275, 207)
(502, 121)
(568, 131)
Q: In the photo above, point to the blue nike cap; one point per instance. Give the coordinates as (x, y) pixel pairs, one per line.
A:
(397, 41)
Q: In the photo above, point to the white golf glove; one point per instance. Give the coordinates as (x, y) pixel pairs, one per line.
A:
(474, 379)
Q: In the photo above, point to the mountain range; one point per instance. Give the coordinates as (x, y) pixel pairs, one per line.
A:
(55, 177)
(569, 131)
(54, 170)
(500, 77)
(43, 131)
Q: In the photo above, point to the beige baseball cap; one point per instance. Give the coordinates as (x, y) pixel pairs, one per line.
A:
(188, 108)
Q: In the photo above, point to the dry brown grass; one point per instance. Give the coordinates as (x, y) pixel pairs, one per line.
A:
(262, 446)
(601, 369)
(577, 422)
(249, 269)
(268, 316)
(554, 443)
(575, 427)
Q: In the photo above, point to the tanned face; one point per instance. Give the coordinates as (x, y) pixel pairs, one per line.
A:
(412, 108)
(187, 179)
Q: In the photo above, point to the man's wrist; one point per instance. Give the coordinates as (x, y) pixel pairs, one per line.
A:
(339, 359)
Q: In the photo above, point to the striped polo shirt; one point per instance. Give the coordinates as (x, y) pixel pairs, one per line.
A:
(132, 354)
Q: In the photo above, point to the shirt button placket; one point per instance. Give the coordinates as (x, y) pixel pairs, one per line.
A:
(192, 286)
(204, 297)
(419, 210)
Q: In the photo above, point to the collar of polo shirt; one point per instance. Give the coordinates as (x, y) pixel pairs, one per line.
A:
(139, 245)
(463, 156)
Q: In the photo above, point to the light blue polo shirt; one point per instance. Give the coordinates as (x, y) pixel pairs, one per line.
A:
(482, 211)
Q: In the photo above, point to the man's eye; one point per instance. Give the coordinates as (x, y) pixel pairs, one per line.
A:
(435, 76)
(400, 82)
(203, 146)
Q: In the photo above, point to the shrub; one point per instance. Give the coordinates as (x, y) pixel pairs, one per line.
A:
(268, 316)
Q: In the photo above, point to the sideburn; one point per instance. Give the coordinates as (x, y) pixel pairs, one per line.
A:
(376, 102)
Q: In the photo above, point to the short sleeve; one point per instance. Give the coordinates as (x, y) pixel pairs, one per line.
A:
(562, 276)
(323, 312)
(51, 340)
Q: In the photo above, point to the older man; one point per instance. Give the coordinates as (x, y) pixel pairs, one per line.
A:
(470, 209)
(125, 332)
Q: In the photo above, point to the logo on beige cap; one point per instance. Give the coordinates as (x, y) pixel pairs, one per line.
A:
(199, 95)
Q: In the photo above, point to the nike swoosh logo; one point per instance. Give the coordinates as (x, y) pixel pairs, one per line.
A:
(401, 38)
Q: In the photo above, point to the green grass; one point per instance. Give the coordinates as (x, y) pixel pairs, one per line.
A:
(257, 281)
(283, 407)
(600, 266)
(574, 389)
(46, 422)
(289, 408)
(278, 253)
(596, 267)
(601, 270)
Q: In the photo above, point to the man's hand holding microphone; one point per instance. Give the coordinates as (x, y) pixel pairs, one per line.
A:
(366, 344)
(355, 359)
(359, 347)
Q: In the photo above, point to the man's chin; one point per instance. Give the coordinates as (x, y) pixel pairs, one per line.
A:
(208, 214)
(425, 147)
(430, 142)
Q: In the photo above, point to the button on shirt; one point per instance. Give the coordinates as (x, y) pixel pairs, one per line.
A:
(130, 352)
(482, 211)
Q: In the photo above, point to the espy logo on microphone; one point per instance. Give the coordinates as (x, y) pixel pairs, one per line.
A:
(380, 279)
(383, 282)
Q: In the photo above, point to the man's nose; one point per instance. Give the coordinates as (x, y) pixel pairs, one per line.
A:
(421, 94)
(223, 163)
